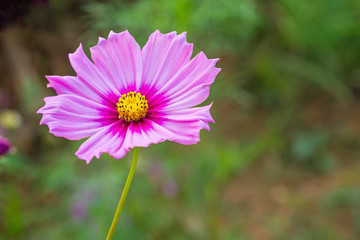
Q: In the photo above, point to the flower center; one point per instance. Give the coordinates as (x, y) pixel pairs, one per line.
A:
(132, 106)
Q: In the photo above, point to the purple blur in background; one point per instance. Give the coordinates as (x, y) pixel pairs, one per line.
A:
(5, 146)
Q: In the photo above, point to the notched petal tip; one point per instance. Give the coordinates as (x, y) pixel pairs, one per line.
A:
(100, 40)
(43, 122)
(183, 37)
(172, 34)
(201, 54)
(156, 34)
(112, 34)
(49, 78)
(78, 49)
(86, 159)
(41, 110)
(76, 55)
(210, 118)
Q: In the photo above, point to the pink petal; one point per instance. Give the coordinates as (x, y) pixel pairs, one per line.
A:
(105, 140)
(117, 139)
(185, 124)
(74, 117)
(189, 87)
(91, 76)
(163, 56)
(119, 60)
(75, 86)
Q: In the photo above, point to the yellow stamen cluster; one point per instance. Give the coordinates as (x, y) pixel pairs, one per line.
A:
(132, 106)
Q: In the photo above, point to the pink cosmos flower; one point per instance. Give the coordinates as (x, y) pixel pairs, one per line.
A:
(131, 97)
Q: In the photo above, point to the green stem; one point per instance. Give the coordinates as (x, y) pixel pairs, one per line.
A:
(124, 194)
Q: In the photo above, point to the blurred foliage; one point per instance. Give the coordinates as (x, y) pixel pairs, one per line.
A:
(280, 162)
(198, 18)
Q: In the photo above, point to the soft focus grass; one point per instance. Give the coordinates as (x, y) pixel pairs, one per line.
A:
(281, 162)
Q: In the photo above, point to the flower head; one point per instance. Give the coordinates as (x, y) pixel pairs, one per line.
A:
(131, 97)
(5, 146)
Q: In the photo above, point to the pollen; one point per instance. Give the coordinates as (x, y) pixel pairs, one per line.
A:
(132, 106)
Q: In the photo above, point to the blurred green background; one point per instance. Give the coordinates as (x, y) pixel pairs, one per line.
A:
(281, 162)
